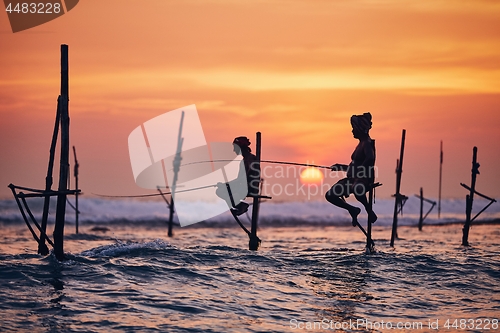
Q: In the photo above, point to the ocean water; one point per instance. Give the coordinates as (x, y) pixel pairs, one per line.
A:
(311, 274)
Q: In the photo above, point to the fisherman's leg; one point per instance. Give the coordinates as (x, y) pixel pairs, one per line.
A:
(333, 197)
(241, 208)
(222, 193)
(361, 197)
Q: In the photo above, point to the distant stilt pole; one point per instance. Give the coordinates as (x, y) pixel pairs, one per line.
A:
(421, 219)
(470, 198)
(254, 242)
(64, 164)
(170, 206)
(398, 200)
(440, 178)
(176, 164)
(75, 171)
(171, 217)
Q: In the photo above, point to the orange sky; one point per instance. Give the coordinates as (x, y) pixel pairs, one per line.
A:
(294, 70)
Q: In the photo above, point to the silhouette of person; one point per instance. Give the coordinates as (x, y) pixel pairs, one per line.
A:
(249, 171)
(359, 173)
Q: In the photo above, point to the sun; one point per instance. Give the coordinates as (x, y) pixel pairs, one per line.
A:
(311, 176)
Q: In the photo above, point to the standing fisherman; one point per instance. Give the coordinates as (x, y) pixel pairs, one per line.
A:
(360, 172)
(249, 171)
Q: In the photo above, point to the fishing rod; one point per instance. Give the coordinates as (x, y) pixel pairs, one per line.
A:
(202, 187)
(154, 194)
(266, 161)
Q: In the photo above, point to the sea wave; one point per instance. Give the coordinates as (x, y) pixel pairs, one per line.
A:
(130, 211)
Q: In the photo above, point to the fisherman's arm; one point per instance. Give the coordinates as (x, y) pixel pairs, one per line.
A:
(339, 167)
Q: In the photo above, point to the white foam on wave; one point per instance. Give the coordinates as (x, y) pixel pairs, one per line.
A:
(104, 210)
(120, 248)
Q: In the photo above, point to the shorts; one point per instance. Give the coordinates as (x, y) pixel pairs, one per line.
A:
(347, 186)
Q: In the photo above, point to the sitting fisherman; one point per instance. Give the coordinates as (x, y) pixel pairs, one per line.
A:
(360, 172)
(249, 171)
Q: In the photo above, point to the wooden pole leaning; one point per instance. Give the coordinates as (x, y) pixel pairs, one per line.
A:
(255, 242)
(42, 247)
(64, 161)
(398, 196)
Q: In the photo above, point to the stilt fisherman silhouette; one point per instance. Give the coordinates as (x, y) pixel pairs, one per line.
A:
(249, 171)
(360, 173)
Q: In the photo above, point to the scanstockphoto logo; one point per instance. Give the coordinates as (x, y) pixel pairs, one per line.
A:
(170, 150)
(28, 14)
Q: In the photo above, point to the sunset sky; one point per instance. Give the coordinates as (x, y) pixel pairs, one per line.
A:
(294, 70)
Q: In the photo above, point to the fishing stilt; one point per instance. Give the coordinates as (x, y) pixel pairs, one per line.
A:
(42, 247)
(440, 178)
(370, 244)
(399, 198)
(255, 242)
(176, 165)
(470, 199)
(62, 121)
(170, 206)
(64, 164)
(251, 165)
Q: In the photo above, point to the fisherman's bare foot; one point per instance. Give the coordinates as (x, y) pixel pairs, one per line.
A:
(372, 217)
(354, 214)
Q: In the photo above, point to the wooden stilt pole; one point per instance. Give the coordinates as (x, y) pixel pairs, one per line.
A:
(399, 171)
(171, 217)
(171, 211)
(440, 178)
(421, 219)
(254, 242)
(176, 164)
(64, 164)
(370, 245)
(75, 171)
(470, 198)
(42, 248)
